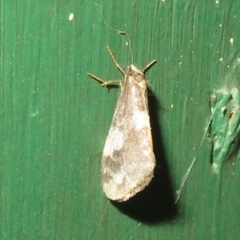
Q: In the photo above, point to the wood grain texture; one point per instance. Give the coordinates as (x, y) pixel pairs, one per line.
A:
(54, 119)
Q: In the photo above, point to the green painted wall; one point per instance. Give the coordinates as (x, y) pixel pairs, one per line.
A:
(54, 118)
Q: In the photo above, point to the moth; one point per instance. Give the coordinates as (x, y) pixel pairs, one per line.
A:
(128, 160)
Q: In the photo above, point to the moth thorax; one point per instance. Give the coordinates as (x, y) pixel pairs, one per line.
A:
(136, 74)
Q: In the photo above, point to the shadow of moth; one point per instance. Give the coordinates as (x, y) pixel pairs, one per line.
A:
(128, 160)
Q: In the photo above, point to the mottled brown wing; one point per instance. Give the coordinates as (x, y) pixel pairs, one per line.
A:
(128, 160)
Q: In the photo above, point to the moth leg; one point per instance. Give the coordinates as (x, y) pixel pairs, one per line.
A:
(106, 83)
(115, 61)
(149, 65)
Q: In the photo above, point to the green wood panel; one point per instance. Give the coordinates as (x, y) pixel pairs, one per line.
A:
(54, 119)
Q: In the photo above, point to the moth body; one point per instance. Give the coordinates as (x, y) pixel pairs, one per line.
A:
(128, 160)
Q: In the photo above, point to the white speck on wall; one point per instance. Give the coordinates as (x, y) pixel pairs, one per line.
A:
(217, 2)
(220, 59)
(231, 41)
(71, 17)
(34, 114)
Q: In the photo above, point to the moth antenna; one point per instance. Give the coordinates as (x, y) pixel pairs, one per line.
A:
(130, 47)
(116, 30)
(105, 22)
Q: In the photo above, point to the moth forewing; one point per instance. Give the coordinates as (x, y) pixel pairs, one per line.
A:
(128, 160)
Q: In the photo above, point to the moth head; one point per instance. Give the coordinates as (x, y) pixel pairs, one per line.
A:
(135, 73)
